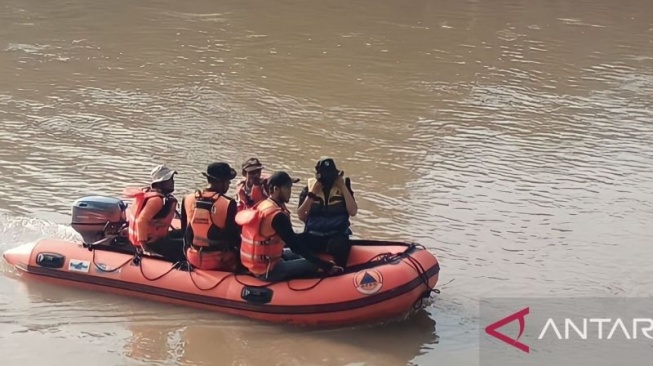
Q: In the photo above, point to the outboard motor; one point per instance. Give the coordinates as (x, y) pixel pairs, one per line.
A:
(98, 217)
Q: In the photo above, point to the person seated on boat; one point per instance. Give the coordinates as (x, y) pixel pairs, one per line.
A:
(325, 206)
(155, 208)
(208, 219)
(253, 189)
(266, 230)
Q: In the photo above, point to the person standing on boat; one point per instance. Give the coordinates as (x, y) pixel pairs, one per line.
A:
(266, 230)
(154, 209)
(253, 189)
(212, 236)
(325, 206)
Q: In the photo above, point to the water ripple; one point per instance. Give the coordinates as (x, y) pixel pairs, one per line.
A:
(514, 140)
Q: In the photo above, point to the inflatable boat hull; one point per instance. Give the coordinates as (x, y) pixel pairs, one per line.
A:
(387, 280)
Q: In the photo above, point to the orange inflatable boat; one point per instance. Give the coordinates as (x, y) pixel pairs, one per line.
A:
(383, 280)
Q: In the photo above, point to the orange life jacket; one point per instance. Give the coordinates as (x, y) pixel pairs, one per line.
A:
(256, 195)
(159, 225)
(261, 247)
(207, 210)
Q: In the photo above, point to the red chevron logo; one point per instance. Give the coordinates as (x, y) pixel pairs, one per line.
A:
(521, 317)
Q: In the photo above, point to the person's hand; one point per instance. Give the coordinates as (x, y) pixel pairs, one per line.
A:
(336, 269)
(317, 188)
(340, 182)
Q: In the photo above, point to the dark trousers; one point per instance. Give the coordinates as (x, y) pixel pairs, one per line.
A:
(291, 266)
(171, 248)
(337, 245)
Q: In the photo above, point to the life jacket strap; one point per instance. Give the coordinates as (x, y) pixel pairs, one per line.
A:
(259, 242)
(209, 243)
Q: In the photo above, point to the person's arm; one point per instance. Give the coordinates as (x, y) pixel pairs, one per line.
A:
(302, 196)
(240, 192)
(232, 230)
(348, 194)
(184, 215)
(305, 201)
(187, 230)
(266, 187)
(152, 207)
(283, 227)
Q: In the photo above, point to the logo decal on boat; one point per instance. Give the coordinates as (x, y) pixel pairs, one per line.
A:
(368, 282)
(77, 265)
(103, 268)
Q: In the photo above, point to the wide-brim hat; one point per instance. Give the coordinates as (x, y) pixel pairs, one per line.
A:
(251, 165)
(220, 171)
(162, 173)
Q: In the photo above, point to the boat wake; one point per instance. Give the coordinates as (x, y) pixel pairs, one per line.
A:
(18, 230)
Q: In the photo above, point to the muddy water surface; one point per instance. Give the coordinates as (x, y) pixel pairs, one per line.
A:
(514, 139)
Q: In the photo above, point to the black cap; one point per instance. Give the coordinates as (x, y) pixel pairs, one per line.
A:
(219, 171)
(251, 164)
(325, 164)
(281, 179)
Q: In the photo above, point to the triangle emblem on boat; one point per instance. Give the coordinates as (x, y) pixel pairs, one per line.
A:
(368, 282)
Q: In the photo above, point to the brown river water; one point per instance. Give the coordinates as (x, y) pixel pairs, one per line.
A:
(514, 139)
